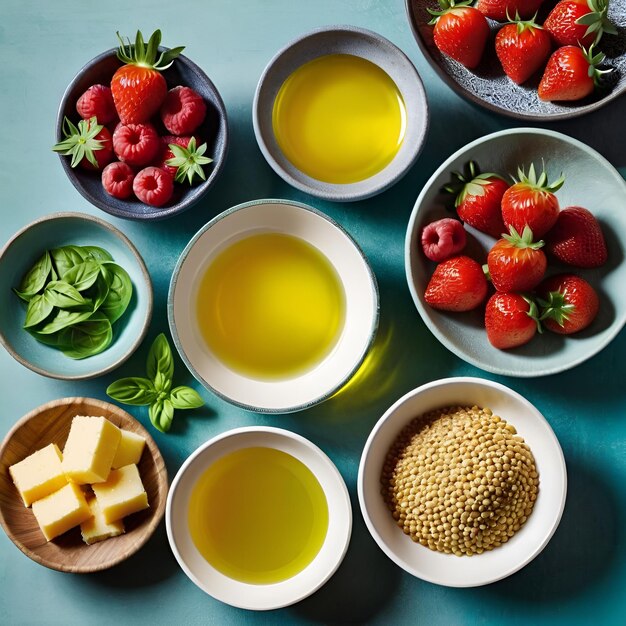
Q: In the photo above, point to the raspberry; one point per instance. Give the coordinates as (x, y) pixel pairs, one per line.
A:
(97, 102)
(117, 179)
(166, 154)
(153, 186)
(183, 110)
(137, 144)
(443, 239)
(104, 155)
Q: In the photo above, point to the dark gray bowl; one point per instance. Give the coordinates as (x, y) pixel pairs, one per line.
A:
(214, 130)
(489, 87)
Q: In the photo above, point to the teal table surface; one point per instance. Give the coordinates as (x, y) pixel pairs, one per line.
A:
(578, 579)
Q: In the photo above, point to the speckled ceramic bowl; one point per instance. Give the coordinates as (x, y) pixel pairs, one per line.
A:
(17, 257)
(214, 130)
(357, 42)
(590, 181)
(489, 87)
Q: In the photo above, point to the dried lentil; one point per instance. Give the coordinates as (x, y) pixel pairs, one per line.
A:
(460, 480)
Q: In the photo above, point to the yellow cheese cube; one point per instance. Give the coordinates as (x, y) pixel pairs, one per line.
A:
(61, 510)
(39, 474)
(122, 494)
(90, 449)
(130, 449)
(96, 527)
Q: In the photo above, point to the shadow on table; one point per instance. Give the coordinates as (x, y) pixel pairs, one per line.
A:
(581, 553)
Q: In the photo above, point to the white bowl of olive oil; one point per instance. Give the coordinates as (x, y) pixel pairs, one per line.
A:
(273, 306)
(258, 518)
(340, 113)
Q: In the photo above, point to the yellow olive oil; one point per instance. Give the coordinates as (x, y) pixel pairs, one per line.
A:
(258, 515)
(339, 118)
(270, 306)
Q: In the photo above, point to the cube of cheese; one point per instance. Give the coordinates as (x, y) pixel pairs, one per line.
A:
(122, 494)
(61, 510)
(90, 449)
(39, 474)
(96, 527)
(129, 451)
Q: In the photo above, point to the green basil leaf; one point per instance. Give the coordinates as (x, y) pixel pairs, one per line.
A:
(83, 275)
(62, 319)
(186, 398)
(63, 295)
(135, 391)
(66, 257)
(38, 309)
(161, 414)
(97, 253)
(160, 359)
(162, 384)
(56, 340)
(98, 292)
(27, 297)
(35, 279)
(120, 291)
(88, 338)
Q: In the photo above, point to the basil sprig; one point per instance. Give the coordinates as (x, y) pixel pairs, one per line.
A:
(73, 295)
(156, 390)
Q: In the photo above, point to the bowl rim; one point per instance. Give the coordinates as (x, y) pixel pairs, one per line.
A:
(157, 514)
(144, 273)
(451, 381)
(157, 213)
(335, 191)
(343, 493)
(172, 288)
(468, 95)
(409, 252)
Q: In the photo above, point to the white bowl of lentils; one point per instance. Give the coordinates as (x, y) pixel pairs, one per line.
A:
(462, 482)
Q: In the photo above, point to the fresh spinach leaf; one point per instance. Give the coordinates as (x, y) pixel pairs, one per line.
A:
(83, 275)
(120, 291)
(39, 308)
(62, 319)
(97, 253)
(66, 257)
(35, 279)
(62, 295)
(89, 337)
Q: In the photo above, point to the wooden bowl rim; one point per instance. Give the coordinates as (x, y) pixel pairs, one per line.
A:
(157, 513)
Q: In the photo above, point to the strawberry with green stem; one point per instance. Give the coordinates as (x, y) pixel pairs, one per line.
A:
(88, 143)
(579, 22)
(511, 320)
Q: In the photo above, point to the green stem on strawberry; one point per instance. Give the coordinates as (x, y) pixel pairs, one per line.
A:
(189, 161)
(533, 312)
(522, 25)
(469, 182)
(80, 142)
(556, 307)
(146, 55)
(446, 5)
(525, 240)
(596, 20)
(540, 183)
(595, 60)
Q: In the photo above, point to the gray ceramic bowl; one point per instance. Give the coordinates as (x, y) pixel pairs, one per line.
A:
(489, 87)
(590, 181)
(18, 256)
(214, 130)
(357, 42)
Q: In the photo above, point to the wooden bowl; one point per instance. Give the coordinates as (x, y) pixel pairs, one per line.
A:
(50, 423)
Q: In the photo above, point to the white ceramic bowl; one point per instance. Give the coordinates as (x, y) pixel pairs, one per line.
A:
(357, 42)
(361, 315)
(229, 590)
(525, 545)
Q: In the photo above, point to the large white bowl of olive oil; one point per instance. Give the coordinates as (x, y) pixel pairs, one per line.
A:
(340, 113)
(273, 306)
(259, 517)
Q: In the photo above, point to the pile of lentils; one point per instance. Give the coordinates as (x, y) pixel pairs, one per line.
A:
(460, 480)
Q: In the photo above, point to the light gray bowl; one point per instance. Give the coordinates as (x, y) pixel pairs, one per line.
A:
(590, 181)
(342, 40)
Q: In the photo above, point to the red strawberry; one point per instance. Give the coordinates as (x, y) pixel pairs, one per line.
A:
(183, 110)
(579, 22)
(153, 186)
(498, 9)
(577, 238)
(460, 32)
(571, 74)
(531, 202)
(568, 303)
(516, 263)
(478, 198)
(522, 48)
(137, 144)
(443, 239)
(89, 144)
(510, 320)
(138, 87)
(117, 179)
(458, 284)
(97, 102)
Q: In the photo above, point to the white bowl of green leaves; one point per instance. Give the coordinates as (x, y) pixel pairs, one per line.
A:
(77, 296)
